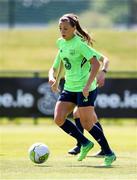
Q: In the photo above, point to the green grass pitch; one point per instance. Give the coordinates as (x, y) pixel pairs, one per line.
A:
(16, 139)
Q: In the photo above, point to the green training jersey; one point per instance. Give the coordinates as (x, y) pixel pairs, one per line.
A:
(76, 54)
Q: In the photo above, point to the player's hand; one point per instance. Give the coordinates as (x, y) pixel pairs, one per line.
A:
(101, 79)
(52, 81)
(85, 92)
(54, 87)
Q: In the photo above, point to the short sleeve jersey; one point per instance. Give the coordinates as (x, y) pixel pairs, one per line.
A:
(76, 55)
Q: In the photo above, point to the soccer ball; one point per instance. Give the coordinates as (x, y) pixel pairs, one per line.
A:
(38, 153)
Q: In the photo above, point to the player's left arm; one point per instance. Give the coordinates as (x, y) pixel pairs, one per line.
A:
(93, 73)
(102, 73)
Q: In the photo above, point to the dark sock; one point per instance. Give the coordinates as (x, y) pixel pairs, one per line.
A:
(79, 126)
(98, 125)
(100, 138)
(72, 130)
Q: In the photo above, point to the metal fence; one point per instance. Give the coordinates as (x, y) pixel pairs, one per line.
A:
(38, 12)
(42, 12)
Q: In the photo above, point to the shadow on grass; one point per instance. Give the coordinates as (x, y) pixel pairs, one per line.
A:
(78, 166)
(93, 156)
(39, 165)
(91, 166)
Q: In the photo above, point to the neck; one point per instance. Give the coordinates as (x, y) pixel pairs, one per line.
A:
(71, 37)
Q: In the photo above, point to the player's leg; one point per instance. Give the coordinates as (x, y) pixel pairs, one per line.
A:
(76, 149)
(100, 153)
(87, 115)
(105, 148)
(62, 109)
(97, 133)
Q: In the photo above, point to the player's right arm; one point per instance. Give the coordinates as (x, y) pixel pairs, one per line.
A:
(54, 69)
(60, 73)
(54, 81)
(52, 75)
(55, 73)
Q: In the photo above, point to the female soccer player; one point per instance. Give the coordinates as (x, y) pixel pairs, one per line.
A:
(81, 64)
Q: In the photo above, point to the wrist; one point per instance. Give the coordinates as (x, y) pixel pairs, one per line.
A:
(87, 87)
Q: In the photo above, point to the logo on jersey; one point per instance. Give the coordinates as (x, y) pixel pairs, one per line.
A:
(72, 52)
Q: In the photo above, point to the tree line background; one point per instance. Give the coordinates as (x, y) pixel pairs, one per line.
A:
(94, 13)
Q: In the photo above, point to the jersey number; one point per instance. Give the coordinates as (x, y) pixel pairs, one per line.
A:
(67, 63)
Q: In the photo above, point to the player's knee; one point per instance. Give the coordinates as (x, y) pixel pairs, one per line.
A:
(59, 120)
(86, 124)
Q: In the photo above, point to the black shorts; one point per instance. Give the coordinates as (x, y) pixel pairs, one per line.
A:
(78, 98)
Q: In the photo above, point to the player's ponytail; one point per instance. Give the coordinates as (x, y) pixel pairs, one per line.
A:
(84, 34)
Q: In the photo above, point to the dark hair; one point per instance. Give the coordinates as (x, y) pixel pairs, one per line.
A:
(73, 20)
